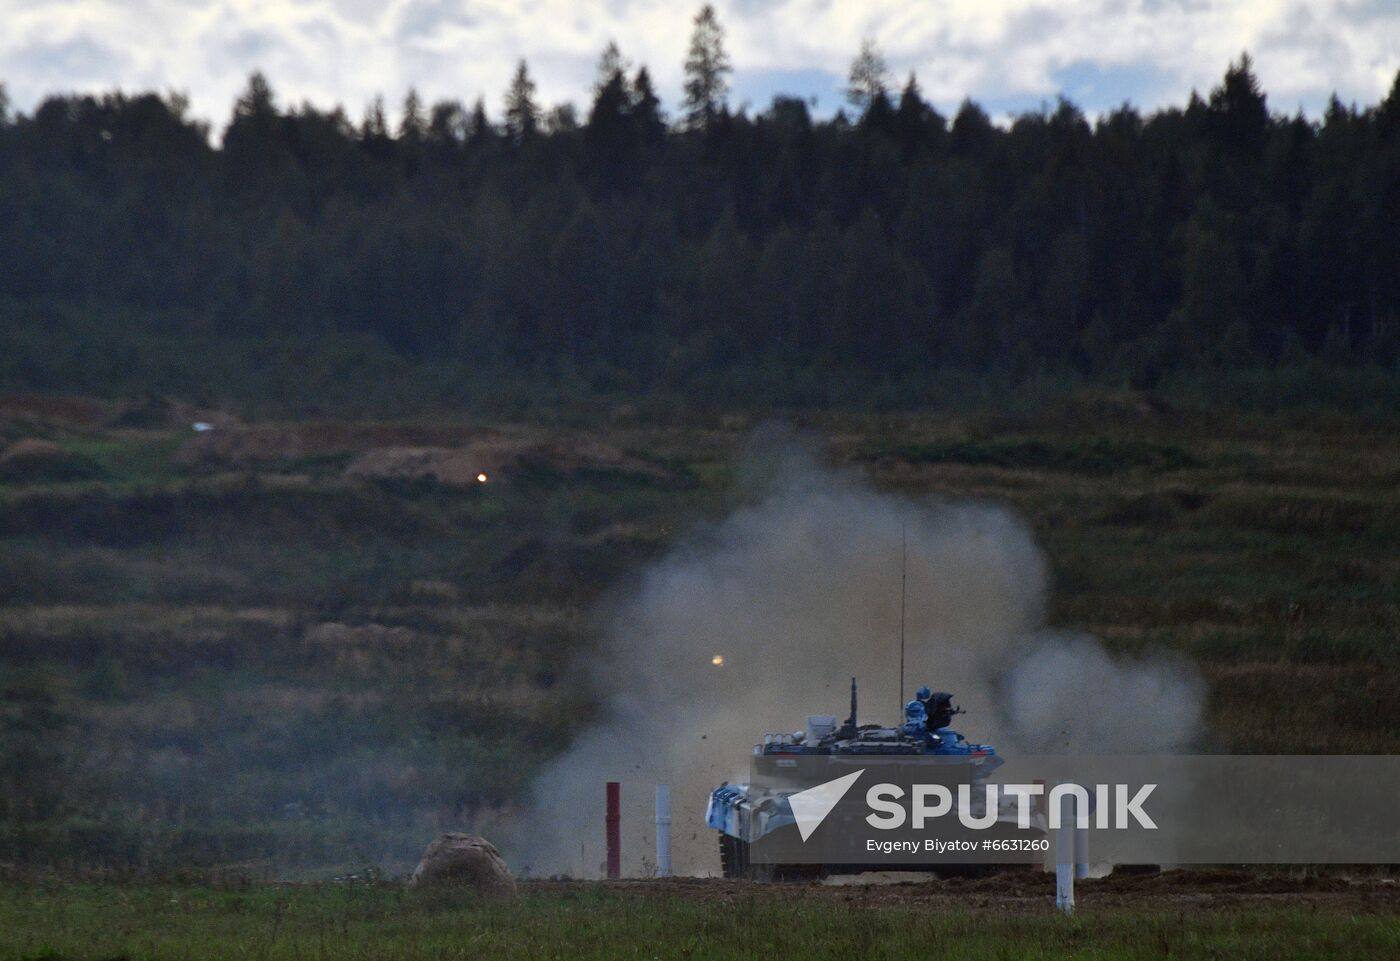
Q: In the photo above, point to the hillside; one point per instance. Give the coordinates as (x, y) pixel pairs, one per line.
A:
(305, 646)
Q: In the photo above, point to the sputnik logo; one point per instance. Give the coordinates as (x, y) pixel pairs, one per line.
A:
(810, 807)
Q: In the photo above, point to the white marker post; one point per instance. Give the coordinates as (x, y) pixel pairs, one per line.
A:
(663, 830)
(1081, 852)
(1064, 856)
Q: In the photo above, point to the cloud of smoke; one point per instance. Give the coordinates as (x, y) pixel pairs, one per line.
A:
(797, 592)
(1066, 694)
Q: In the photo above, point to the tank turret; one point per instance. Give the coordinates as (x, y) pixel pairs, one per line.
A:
(924, 730)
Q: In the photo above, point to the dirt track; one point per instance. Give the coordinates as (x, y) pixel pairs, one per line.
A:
(1033, 892)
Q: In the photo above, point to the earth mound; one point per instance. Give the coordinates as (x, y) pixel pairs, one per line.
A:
(468, 860)
(31, 461)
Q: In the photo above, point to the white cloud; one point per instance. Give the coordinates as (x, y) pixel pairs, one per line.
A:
(1000, 51)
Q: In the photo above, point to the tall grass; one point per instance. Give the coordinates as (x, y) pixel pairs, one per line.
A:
(50, 921)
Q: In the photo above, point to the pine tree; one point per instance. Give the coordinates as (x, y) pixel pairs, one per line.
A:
(706, 65)
(1239, 116)
(646, 109)
(479, 128)
(911, 101)
(252, 142)
(255, 110)
(916, 124)
(374, 125)
(867, 79)
(612, 68)
(522, 113)
(412, 127)
(609, 135)
(611, 98)
(374, 131)
(972, 129)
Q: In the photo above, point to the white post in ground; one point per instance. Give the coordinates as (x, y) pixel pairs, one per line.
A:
(663, 830)
(1064, 855)
(1081, 851)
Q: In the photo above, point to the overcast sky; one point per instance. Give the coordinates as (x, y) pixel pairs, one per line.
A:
(1007, 54)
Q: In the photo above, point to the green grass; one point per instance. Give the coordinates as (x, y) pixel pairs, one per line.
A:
(91, 922)
(144, 458)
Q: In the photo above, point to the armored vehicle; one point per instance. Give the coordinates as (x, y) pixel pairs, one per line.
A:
(744, 813)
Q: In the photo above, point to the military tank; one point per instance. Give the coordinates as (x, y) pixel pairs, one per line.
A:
(744, 813)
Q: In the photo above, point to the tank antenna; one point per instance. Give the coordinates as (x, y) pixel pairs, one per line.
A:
(903, 592)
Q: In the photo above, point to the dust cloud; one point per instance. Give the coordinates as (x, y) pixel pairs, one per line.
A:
(798, 591)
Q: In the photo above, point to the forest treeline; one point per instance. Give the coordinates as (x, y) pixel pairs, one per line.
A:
(635, 249)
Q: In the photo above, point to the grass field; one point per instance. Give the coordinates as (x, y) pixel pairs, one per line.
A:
(686, 919)
(255, 647)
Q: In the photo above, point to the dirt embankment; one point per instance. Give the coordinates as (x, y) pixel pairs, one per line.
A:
(448, 454)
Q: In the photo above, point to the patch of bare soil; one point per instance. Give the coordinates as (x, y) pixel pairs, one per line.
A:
(448, 453)
(51, 408)
(497, 458)
(243, 447)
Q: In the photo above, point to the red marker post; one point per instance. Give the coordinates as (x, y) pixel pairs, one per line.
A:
(614, 821)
